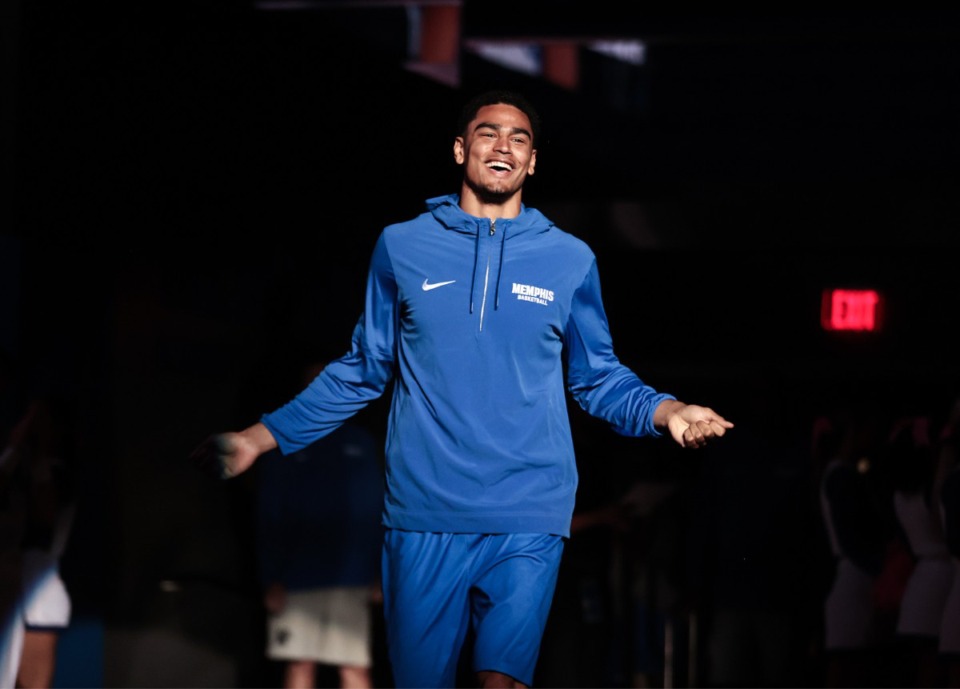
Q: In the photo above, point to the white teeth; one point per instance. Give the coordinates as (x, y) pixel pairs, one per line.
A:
(499, 166)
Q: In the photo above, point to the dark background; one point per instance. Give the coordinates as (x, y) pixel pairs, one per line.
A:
(193, 190)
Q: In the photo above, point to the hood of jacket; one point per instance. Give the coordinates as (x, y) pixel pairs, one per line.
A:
(447, 211)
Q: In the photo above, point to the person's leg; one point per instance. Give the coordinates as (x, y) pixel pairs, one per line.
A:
(344, 635)
(425, 605)
(511, 598)
(292, 639)
(299, 674)
(38, 659)
(355, 677)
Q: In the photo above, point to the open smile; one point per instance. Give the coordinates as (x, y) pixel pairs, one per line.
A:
(499, 166)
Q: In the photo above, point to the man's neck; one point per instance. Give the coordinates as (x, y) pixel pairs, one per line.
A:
(480, 208)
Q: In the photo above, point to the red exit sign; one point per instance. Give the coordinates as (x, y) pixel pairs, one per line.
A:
(851, 309)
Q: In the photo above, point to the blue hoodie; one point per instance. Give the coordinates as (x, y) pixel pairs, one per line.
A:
(475, 322)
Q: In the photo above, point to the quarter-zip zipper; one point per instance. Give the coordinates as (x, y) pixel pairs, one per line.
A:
(486, 276)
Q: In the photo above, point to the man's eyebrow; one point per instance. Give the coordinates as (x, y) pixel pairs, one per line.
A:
(493, 125)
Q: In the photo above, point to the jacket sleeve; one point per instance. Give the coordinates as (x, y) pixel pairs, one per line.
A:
(348, 384)
(598, 381)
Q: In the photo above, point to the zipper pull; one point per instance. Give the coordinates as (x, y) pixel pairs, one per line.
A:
(493, 227)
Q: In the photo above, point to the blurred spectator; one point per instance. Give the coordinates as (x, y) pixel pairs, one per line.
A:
(855, 514)
(910, 459)
(46, 602)
(318, 544)
(13, 516)
(37, 497)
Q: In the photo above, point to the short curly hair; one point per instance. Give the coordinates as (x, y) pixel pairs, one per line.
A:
(493, 97)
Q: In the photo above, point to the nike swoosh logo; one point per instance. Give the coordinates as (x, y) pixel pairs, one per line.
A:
(427, 286)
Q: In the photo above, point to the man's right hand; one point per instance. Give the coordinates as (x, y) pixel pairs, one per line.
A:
(225, 455)
(211, 457)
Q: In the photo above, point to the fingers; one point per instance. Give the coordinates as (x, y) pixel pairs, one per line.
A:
(693, 437)
(698, 433)
(715, 420)
(210, 457)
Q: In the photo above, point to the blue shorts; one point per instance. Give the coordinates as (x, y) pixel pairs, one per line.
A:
(436, 586)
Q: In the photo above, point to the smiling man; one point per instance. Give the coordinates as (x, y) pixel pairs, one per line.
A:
(474, 309)
(496, 150)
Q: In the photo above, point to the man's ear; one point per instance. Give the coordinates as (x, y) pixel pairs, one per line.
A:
(458, 154)
(533, 162)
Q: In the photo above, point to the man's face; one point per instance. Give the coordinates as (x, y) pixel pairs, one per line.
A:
(496, 151)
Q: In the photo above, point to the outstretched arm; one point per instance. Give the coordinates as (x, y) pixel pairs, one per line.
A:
(225, 455)
(691, 425)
